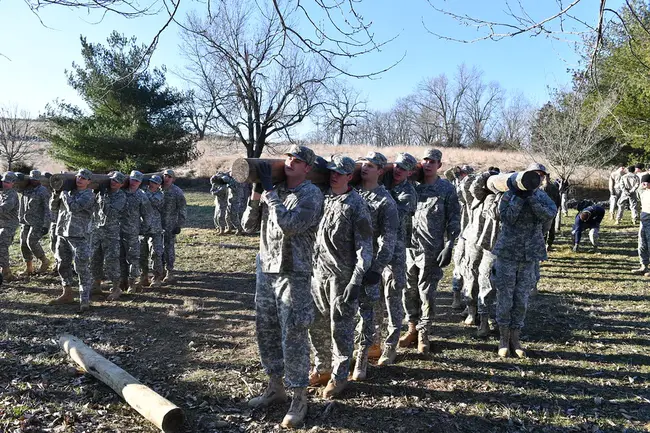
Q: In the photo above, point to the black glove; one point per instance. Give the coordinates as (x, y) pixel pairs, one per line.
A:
(523, 194)
(257, 188)
(176, 230)
(444, 258)
(264, 172)
(103, 188)
(45, 231)
(351, 293)
(371, 278)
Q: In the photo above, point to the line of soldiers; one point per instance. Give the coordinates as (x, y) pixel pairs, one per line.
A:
(343, 259)
(229, 202)
(117, 233)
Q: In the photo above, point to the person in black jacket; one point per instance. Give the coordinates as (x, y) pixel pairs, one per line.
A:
(589, 218)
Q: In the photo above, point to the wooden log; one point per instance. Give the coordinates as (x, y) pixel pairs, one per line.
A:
(523, 180)
(66, 180)
(161, 412)
(23, 181)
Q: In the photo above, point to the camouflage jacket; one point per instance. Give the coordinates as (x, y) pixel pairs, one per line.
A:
(629, 183)
(55, 205)
(344, 240)
(491, 222)
(174, 211)
(156, 203)
(287, 220)
(521, 238)
(34, 207)
(385, 223)
(219, 190)
(108, 218)
(437, 214)
(406, 200)
(135, 218)
(75, 213)
(552, 191)
(9, 205)
(613, 182)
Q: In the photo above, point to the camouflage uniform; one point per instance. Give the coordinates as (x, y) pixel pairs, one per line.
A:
(629, 184)
(437, 214)
(106, 236)
(342, 255)
(174, 214)
(55, 203)
(151, 253)
(519, 249)
(35, 219)
(288, 219)
(135, 221)
(236, 192)
(73, 230)
(219, 190)
(465, 202)
(9, 205)
(487, 239)
(614, 190)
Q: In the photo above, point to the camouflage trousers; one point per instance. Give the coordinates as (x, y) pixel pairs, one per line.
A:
(169, 252)
(30, 245)
(630, 201)
(457, 275)
(332, 333)
(613, 203)
(105, 257)
(644, 242)
(513, 281)
(391, 311)
(220, 208)
(233, 215)
(368, 303)
(470, 269)
(422, 277)
(130, 256)
(284, 310)
(151, 253)
(6, 238)
(486, 294)
(53, 237)
(74, 252)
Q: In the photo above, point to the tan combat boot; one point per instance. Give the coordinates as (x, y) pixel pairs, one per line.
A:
(470, 320)
(388, 356)
(274, 393)
(295, 417)
(457, 302)
(45, 265)
(515, 344)
(319, 379)
(374, 352)
(29, 269)
(423, 342)
(134, 286)
(157, 281)
(410, 337)
(116, 292)
(361, 365)
(65, 298)
(334, 388)
(219, 231)
(143, 281)
(169, 278)
(504, 341)
(484, 326)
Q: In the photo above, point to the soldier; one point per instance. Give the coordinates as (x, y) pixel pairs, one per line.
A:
(73, 240)
(554, 193)
(383, 212)
(34, 216)
(9, 206)
(519, 249)
(174, 215)
(135, 222)
(615, 190)
(288, 216)
(105, 241)
(342, 256)
(644, 228)
(151, 253)
(219, 190)
(437, 214)
(55, 204)
(589, 218)
(394, 276)
(236, 192)
(628, 184)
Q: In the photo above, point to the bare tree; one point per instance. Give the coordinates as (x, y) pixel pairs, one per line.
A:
(514, 123)
(18, 135)
(260, 86)
(343, 108)
(480, 104)
(200, 113)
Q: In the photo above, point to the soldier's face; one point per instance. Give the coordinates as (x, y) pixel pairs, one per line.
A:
(82, 182)
(115, 185)
(294, 167)
(167, 180)
(7, 185)
(153, 186)
(339, 181)
(430, 166)
(370, 171)
(134, 184)
(400, 175)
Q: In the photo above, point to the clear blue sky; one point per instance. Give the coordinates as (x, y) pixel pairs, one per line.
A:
(39, 55)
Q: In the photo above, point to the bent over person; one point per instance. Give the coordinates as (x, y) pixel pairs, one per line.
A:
(35, 222)
(288, 216)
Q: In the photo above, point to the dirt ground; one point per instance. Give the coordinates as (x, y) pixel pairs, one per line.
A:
(587, 334)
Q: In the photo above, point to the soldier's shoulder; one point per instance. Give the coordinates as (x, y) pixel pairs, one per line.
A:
(311, 190)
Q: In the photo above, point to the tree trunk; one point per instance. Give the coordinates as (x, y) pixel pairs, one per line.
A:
(340, 140)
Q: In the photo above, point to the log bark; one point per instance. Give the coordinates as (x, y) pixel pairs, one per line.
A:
(161, 412)
(61, 181)
(523, 180)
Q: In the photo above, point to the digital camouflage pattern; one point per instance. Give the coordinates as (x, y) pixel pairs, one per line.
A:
(9, 206)
(487, 240)
(174, 215)
(220, 192)
(105, 244)
(135, 222)
(151, 245)
(236, 203)
(55, 203)
(34, 216)
(629, 184)
(343, 254)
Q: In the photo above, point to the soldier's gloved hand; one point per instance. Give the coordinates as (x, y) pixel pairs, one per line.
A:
(444, 258)
(258, 188)
(45, 230)
(371, 278)
(351, 293)
(264, 172)
(176, 230)
(523, 194)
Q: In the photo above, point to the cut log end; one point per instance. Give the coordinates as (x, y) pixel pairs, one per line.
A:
(173, 421)
(240, 170)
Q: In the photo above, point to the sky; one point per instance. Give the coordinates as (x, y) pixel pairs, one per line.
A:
(37, 53)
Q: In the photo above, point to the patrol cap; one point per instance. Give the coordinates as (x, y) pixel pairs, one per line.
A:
(537, 167)
(432, 154)
(9, 176)
(406, 161)
(47, 175)
(375, 158)
(35, 175)
(169, 172)
(645, 178)
(136, 175)
(467, 169)
(85, 173)
(341, 164)
(118, 177)
(155, 179)
(303, 153)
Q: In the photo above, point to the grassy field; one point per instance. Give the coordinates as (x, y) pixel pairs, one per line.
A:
(587, 334)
